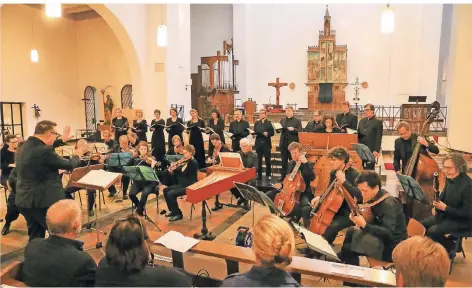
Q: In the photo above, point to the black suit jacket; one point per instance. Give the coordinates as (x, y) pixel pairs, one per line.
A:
(262, 141)
(286, 136)
(249, 159)
(457, 195)
(187, 173)
(400, 153)
(370, 133)
(149, 276)
(57, 261)
(347, 120)
(39, 184)
(239, 129)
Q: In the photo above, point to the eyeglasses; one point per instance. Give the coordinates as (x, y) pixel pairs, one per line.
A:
(448, 168)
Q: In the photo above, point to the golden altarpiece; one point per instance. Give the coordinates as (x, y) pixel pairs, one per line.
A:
(327, 70)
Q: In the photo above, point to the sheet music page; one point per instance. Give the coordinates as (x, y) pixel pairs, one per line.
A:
(350, 270)
(229, 134)
(99, 178)
(65, 150)
(351, 131)
(316, 242)
(277, 125)
(176, 241)
(227, 157)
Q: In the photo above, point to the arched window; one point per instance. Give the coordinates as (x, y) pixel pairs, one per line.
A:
(127, 96)
(90, 110)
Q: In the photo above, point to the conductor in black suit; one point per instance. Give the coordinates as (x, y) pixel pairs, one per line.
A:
(239, 128)
(264, 132)
(39, 184)
(370, 133)
(346, 119)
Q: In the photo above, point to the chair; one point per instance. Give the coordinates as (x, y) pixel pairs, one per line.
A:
(458, 245)
(414, 228)
(11, 275)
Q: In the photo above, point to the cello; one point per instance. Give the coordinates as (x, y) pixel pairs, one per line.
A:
(327, 207)
(422, 168)
(293, 185)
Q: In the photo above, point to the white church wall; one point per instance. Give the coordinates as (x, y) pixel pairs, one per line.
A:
(275, 37)
(211, 24)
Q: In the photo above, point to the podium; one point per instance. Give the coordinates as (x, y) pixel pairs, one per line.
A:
(321, 143)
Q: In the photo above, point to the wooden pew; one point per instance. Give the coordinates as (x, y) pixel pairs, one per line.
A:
(233, 255)
(11, 275)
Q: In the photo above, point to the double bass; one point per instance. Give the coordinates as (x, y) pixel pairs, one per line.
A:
(293, 185)
(422, 168)
(327, 207)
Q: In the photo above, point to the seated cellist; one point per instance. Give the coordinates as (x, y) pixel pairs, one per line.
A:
(339, 159)
(308, 175)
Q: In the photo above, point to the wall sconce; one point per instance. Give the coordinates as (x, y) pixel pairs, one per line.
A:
(387, 21)
(162, 35)
(34, 56)
(53, 9)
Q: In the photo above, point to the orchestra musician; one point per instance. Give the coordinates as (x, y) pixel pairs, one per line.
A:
(88, 159)
(379, 238)
(329, 126)
(217, 124)
(308, 175)
(133, 139)
(316, 124)
(289, 133)
(264, 131)
(185, 171)
(249, 159)
(370, 132)
(158, 142)
(452, 212)
(140, 126)
(123, 146)
(346, 119)
(405, 144)
(107, 139)
(175, 153)
(146, 187)
(214, 159)
(174, 127)
(39, 184)
(8, 179)
(119, 124)
(239, 129)
(338, 159)
(196, 139)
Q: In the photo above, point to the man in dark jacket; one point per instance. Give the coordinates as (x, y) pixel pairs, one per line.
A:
(316, 124)
(39, 184)
(289, 133)
(264, 131)
(379, 238)
(370, 133)
(239, 129)
(346, 119)
(59, 260)
(405, 145)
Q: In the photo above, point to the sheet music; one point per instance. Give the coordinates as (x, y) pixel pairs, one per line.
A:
(176, 241)
(99, 178)
(316, 242)
(250, 131)
(225, 156)
(351, 131)
(229, 134)
(350, 270)
(65, 150)
(277, 126)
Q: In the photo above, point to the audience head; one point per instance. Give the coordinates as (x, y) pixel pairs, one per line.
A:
(274, 242)
(118, 112)
(64, 218)
(215, 114)
(346, 106)
(157, 114)
(215, 139)
(369, 110)
(189, 151)
(139, 114)
(317, 116)
(403, 129)
(143, 148)
(289, 111)
(107, 135)
(262, 114)
(132, 137)
(338, 156)
(124, 141)
(454, 164)
(245, 145)
(328, 121)
(126, 247)
(173, 112)
(46, 131)
(420, 262)
(295, 149)
(176, 140)
(369, 184)
(11, 141)
(238, 115)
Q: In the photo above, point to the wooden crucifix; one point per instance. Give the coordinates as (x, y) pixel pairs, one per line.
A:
(277, 86)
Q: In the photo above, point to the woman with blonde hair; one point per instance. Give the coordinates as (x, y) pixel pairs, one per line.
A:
(273, 247)
(140, 126)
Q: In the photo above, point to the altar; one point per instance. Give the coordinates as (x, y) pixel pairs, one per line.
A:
(321, 143)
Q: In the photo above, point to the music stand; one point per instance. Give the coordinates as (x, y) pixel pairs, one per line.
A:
(142, 173)
(364, 152)
(316, 242)
(118, 160)
(417, 99)
(412, 188)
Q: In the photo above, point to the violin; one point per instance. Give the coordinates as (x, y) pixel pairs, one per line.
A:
(178, 163)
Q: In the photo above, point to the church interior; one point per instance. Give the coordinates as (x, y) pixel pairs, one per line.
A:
(78, 68)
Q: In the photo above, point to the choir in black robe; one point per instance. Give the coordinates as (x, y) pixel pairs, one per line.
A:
(140, 128)
(263, 144)
(287, 137)
(313, 126)
(196, 139)
(240, 131)
(158, 142)
(347, 120)
(219, 127)
(370, 134)
(120, 126)
(176, 129)
(404, 150)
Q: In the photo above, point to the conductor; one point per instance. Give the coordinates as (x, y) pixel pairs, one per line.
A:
(39, 184)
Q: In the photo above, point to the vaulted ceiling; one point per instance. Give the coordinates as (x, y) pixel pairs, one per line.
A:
(73, 11)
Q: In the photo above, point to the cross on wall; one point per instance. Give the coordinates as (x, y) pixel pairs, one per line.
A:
(277, 84)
